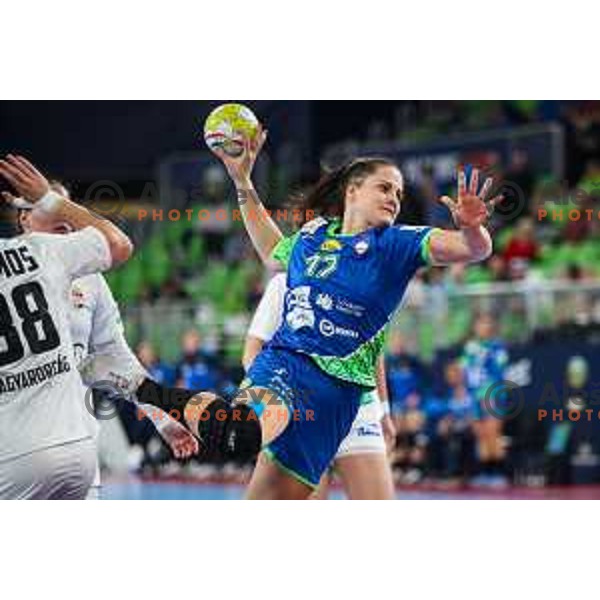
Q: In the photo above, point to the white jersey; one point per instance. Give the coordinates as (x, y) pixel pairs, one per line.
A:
(95, 321)
(41, 392)
(97, 329)
(269, 313)
(366, 434)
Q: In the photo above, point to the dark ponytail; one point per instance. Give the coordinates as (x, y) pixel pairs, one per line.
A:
(326, 197)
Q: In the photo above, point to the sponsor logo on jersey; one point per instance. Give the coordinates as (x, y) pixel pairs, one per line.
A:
(300, 313)
(349, 308)
(327, 328)
(331, 246)
(325, 301)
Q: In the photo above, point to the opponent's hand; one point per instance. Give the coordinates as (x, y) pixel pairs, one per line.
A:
(180, 440)
(471, 209)
(389, 432)
(240, 167)
(24, 177)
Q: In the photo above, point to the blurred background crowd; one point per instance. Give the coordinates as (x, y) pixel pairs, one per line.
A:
(188, 294)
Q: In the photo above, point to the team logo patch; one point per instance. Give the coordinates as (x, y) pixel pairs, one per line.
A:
(331, 246)
(361, 247)
(77, 297)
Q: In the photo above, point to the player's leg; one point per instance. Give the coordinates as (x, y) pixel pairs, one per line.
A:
(366, 476)
(232, 431)
(322, 492)
(361, 460)
(497, 451)
(271, 481)
(322, 409)
(485, 447)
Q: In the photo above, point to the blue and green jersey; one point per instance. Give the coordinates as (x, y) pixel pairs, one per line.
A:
(484, 363)
(342, 291)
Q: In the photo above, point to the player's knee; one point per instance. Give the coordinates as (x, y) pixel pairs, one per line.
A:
(229, 432)
(196, 408)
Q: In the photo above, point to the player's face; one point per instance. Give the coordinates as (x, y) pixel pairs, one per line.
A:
(377, 197)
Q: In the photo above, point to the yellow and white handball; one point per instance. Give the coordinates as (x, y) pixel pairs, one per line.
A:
(227, 126)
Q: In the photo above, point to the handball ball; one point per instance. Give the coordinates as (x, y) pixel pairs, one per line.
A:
(227, 126)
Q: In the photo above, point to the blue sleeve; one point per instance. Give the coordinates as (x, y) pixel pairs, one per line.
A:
(407, 247)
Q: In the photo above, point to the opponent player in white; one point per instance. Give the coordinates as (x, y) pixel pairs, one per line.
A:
(361, 460)
(47, 448)
(96, 327)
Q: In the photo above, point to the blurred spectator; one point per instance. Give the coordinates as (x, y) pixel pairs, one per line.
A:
(523, 244)
(484, 360)
(195, 371)
(564, 435)
(454, 442)
(405, 374)
(408, 457)
(497, 268)
(158, 370)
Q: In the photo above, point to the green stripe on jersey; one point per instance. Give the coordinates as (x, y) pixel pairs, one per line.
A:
(283, 249)
(357, 367)
(426, 246)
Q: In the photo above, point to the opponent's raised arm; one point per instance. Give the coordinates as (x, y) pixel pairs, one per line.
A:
(472, 243)
(34, 187)
(263, 231)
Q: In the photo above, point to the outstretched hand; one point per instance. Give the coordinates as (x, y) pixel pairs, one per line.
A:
(471, 208)
(180, 440)
(24, 177)
(240, 167)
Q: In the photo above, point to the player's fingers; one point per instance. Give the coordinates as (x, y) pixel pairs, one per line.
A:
(16, 164)
(491, 205)
(11, 174)
(474, 183)
(449, 202)
(221, 154)
(486, 187)
(26, 165)
(462, 182)
(249, 147)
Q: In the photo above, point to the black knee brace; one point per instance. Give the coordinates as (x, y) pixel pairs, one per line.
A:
(229, 432)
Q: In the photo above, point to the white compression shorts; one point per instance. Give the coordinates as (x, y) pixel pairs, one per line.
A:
(366, 434)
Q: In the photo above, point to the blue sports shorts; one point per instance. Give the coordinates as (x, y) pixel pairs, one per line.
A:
(322, 409)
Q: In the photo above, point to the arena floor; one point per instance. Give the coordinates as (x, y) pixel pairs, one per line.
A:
(137, 489)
